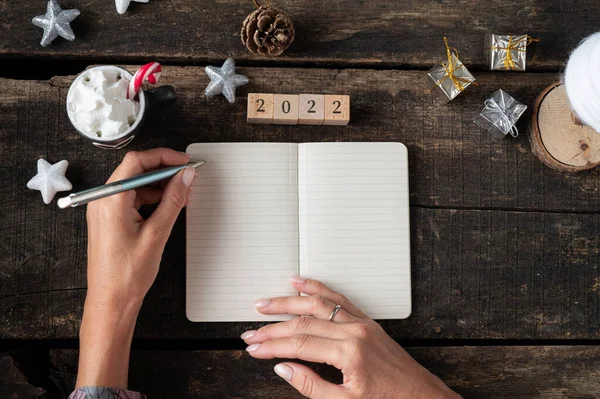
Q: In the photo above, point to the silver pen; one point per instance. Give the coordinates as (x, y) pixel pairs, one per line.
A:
(92, 194)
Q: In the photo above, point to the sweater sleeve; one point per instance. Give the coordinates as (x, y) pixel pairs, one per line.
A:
(105, 393)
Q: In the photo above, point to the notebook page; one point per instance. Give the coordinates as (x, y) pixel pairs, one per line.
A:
(354, 223)
(242, 229)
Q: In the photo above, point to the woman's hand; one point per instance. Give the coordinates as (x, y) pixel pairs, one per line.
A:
(124, 253)
(373, 364)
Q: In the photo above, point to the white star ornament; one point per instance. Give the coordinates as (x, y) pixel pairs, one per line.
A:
(50, 179)
(122, 5)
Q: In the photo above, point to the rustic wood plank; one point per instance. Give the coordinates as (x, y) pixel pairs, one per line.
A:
(13, 383)
(476, 275)
(399, 34)
(494, 253)
(453, 162)
(474, 372)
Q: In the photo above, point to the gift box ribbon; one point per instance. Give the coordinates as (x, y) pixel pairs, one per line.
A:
(502, 117)
(450, 67)
(519, 46)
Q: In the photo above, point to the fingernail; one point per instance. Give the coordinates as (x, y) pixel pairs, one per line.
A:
(188, 176)
(252, 347)
(248, 334)
(185, 153)
(284, 371)
(297, 279)
(262, 303)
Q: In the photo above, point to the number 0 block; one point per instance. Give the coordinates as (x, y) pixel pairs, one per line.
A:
(311, 109)
(337, 110)
(285, 109)
(260, 108)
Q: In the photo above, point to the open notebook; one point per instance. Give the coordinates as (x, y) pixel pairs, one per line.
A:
(336, 212)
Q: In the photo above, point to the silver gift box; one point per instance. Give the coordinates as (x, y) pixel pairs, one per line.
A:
(506, 52)
(500, 114)
(439, 80)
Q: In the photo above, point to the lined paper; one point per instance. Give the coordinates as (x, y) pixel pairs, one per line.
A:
(354, 223)
(242, 229)
(336, 212)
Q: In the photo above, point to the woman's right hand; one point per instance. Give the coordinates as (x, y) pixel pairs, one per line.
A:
(124, 253)
(373, 364)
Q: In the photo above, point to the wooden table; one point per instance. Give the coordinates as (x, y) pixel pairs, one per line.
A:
(506, 283)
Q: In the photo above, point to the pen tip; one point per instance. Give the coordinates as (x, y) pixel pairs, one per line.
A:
(197, 164)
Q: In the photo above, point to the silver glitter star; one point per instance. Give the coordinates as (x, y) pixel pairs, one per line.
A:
(224, 80)
(56, 23)
(122, 5)
(50, 179)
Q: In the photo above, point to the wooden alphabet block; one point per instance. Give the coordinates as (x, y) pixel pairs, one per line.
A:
(260, 108)
(285, 109)
(337, 109)
(311, 109)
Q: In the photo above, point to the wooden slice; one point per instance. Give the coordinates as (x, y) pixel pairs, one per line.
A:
(557, 137)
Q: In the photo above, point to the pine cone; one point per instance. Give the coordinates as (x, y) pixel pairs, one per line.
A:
(267, 31)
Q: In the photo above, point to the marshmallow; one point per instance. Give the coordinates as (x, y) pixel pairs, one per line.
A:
(98, 104)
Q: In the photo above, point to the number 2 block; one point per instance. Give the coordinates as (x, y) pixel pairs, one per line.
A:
(285, 109)
(260, 108)
(311, 109)
(337, 109)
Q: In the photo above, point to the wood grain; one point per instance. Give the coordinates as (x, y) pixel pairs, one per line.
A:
(557, 136)
(13, 383)
(503, 247)
(476, 275)
(474, 372)
(389, 33)
(454, 162)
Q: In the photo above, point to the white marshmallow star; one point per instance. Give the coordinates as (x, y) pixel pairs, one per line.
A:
(123, 4)
(50, 179)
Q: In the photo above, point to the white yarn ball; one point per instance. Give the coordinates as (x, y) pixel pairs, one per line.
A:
(582, 81)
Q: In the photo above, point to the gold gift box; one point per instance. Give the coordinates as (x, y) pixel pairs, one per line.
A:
(450, 77)
(506, 52)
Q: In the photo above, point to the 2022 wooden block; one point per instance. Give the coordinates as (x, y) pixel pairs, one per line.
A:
(260, 108)
(337, 109)
(301, 109)
(285, 109)
(311, 109)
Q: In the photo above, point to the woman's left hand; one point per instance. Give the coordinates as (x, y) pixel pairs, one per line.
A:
(372, 363)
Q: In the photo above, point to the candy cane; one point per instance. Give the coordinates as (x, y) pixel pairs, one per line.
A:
(149, 72)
